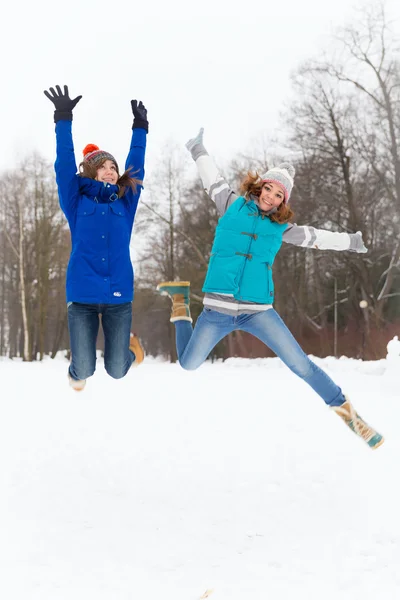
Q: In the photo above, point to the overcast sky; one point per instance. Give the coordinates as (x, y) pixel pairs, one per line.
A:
(220, 64)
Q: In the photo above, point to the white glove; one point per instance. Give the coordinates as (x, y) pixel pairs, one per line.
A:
(357, 243)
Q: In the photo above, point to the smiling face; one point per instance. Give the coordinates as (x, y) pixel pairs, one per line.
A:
(271, 196)
(107, 172)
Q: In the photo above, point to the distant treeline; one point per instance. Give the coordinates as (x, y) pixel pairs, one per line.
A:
(342, 134)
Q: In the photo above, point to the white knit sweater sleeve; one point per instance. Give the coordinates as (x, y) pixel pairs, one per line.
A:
(214, 183)
(323, 239)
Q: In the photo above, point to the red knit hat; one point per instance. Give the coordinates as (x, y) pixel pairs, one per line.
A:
(94, 156)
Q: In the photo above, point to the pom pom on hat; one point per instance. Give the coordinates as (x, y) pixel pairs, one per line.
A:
(94, 156)
(282, 175)
(289, 168)
(89, 149)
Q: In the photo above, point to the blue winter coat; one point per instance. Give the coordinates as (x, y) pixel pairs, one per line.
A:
(99, 269)
(244, 249)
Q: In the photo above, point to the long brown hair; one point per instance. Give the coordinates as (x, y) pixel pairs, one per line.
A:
(124, 181)
(252, 185)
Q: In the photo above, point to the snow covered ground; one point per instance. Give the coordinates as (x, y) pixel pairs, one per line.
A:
(233, 482)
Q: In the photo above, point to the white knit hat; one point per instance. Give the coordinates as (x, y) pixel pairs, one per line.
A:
(282, 175)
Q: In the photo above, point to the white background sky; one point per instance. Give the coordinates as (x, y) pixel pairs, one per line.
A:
(222, 64)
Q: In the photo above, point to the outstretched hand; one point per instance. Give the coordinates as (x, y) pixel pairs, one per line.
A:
(139, 115)
(196, 140)
(359, 243)
(62, 101)
(139, 110)
(196, 147)
(63, 104)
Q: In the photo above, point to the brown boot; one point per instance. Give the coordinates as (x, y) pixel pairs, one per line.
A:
(358, 425)
(179, 292)
(137, 349)
(180, 309)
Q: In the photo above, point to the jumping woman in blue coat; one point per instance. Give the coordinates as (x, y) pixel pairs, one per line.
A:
(239, 289)
(100, 206)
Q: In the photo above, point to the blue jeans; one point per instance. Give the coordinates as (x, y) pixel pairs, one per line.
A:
(194, 345)
(83, 325)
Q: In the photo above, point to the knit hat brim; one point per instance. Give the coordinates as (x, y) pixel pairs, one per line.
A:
(96, 157)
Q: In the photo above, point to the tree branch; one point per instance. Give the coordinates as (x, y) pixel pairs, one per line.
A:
(182, 233)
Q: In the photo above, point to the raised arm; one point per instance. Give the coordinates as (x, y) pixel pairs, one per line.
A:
(137, 150)
(322, 239)
(65, 164)
(214, 184)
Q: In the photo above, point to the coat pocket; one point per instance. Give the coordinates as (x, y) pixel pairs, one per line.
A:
(270, 281)
(118, 208)
(223, 273)
(256, 284)
(86, 207)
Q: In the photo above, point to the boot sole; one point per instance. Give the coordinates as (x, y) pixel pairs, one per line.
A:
(378, 444)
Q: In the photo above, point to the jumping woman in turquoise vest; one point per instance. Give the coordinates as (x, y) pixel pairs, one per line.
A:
(239, 288)
(100, 206)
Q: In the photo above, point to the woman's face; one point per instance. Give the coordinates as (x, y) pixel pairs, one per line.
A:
(107, 172)
(272, 196)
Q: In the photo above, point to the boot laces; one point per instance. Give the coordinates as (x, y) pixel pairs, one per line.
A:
(355, 422)
(179, 305)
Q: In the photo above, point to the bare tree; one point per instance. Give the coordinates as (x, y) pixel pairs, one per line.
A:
(370, 64)
(34, 253)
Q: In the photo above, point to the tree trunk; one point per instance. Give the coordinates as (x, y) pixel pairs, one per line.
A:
(26, 355)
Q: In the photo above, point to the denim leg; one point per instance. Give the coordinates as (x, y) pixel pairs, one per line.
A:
(270, 329)
(194, 345)
(116, 320)
(83, 326)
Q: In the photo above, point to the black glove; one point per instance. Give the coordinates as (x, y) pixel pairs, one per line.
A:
(62, 102)
(139, 115)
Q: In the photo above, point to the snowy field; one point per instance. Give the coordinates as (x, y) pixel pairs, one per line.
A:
(234, 482)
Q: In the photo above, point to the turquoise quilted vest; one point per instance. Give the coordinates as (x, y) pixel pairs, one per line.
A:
(244, 249)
